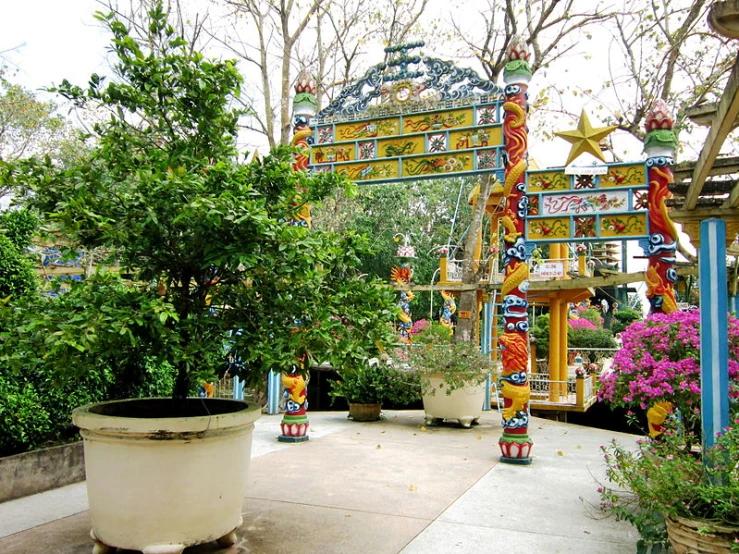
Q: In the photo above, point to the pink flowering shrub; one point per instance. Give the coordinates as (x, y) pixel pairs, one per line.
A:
(419, 326)
(581, 323)
(660, 360)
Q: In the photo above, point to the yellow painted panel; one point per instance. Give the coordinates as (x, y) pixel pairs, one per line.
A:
(623, 225)
(400, 146)
(551, 228)
(333, 153)
(437, 165)
(548, 181)
(368, 129)
(473, 138)
(369, 170)
(624, 175)
(438, 121)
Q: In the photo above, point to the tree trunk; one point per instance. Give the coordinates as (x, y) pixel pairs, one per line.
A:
(467, 328)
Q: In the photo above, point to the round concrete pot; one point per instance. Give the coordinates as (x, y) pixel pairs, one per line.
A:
(463, 404)
(159, 482)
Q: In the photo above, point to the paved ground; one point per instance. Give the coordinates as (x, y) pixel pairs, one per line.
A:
(387, 487)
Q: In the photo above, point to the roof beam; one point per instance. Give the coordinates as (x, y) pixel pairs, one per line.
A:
(723, 122)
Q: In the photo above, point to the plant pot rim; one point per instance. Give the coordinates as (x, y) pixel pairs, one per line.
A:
(695, 523)
(149, 416)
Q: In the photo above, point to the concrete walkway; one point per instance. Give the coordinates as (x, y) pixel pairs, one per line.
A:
(387, 487)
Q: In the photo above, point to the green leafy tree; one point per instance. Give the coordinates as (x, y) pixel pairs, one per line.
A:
(17, 274)
(624, 317)
(209, 237)
(433, 213)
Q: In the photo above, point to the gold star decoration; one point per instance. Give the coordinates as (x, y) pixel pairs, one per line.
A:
(585, 138)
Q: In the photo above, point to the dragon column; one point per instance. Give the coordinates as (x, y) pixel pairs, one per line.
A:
(515, 444)
(659, 145)
(295, 423)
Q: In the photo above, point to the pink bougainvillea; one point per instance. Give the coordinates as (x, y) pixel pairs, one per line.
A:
(660, 360)
(582, 323)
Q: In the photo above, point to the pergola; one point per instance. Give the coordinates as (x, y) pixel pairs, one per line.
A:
(706, 203)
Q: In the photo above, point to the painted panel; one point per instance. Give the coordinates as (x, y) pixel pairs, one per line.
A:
(436, 165)
(618, 226)
(368, 171)
(437, 121)
(401, 146)
(563, 204)
(367, 129)
(334, 153)
(548, 181)
(624, 176)
(550, 228)
(475, 138)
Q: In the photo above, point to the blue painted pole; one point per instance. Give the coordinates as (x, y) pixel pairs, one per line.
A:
(487, 328)
(714, 330)
(274, 391)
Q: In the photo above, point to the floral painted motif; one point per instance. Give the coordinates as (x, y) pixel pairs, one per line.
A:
(584, 182)
(325, 135)
(585, 227)
(641, 200)
(437, 142)
(624, 176)
(577, 204)
(548, 181)
(366, 150)
(486, 160)
(367, 172)
(434, 121)
(622, 224)
(486, 116)
(434, 165)
(549, 229)
(533, 205)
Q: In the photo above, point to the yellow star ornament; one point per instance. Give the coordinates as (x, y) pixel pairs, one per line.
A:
(585, 138)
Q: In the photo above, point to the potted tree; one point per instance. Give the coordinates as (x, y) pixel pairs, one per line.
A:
(669, 492)
(206, 242)
(666, 487)
(367, 385)
(453, 375)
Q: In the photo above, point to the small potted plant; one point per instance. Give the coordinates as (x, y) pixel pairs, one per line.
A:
(666, 487)
(369, 384)
(453, 375)
(669, 492)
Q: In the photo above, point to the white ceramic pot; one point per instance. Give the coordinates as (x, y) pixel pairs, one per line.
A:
(159, 484)
(463, 404)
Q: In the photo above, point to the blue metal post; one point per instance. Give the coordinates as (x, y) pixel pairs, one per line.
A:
(487, 339)
(714, 330)
(274, 391)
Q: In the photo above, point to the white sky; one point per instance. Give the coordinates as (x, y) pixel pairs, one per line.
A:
(58, 39)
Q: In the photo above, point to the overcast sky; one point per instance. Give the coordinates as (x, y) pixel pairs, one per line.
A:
(51, 40)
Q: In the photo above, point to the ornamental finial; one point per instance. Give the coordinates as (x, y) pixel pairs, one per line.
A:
(306, 83)
(659, 117)
(517, 49)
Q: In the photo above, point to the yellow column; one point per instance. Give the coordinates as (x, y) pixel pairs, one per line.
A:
(563, 347)
(554, 357)
(443, 269)
(580, 390)
(532, 363)
(582, 267)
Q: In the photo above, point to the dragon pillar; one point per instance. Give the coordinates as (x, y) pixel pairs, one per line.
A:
(295, 422)
(403, 275)
(515, 444)
(659, 145)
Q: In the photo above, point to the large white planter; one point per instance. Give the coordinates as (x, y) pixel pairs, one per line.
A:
(463, 404)
(159, 484)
